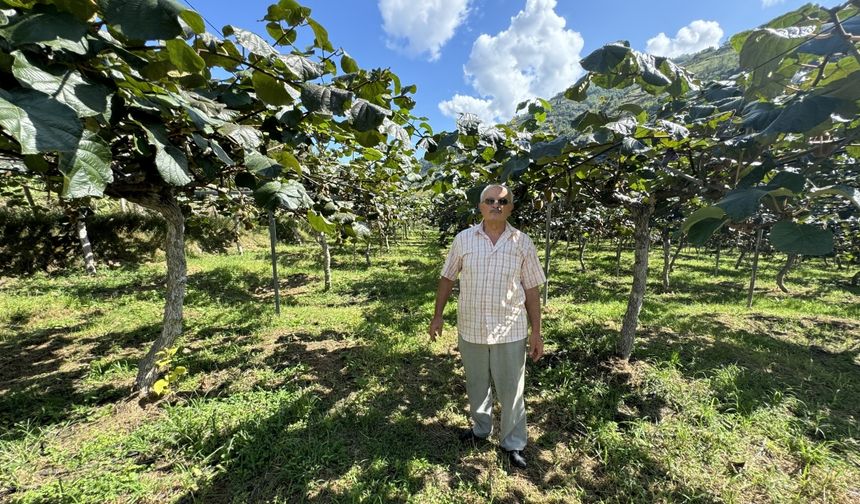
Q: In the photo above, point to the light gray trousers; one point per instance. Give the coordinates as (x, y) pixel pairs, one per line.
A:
(505, 363)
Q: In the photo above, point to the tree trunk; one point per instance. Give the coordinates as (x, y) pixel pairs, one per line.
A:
(780, 277)
(123, 206)
(582, 243)
(29, 197)
(641, 215)
(171, 328)
(667, 249)
(367, 254)
(740, 258)
(237, 227)
(547, 254)
(325, 257)
(717, 262)
(681, 244)
(754, 267)
(855, 280)
(86, 248)
(273, 240)
(618, 256)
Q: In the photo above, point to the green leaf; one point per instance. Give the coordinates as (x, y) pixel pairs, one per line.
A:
(290, 195)
(546, 152)
(261, 165)
(170, 162)
(44, 27)
(300, 67)
(144, 19)
(289, 11)
(251, 41)
(365, 116)
(347, 64)
(247, 137)
(325, 99)
(852, 194)
(320, 36)
(513, 167)
(699, 232)
(791, 181)
(632, 146)
(803, 114)
(711, 212)
(361, 230)
(372, 154)
(183, 57)
(160, 386)
(86, 171)
(741, 203)
(66, 86)
(793, 238)
(606, 58)
(270, 90)
(38, 122)
(193, 20)
(288, 160)
(320, 223)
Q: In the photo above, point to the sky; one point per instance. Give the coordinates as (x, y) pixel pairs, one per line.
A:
(486, 56)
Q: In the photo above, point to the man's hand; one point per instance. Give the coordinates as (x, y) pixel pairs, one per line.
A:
(535, 346)
(435, 328)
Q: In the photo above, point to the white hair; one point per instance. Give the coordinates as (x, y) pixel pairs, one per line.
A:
(497, 186)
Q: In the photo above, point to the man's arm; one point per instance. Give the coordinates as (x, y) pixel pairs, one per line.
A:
(533, 311)
(446, 285)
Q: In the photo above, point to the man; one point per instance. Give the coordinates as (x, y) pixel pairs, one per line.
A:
(500, 279)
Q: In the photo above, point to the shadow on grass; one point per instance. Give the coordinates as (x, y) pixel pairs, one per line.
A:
(34, 389)
(771, 367)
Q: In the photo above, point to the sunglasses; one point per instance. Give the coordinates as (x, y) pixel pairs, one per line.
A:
(500, 201)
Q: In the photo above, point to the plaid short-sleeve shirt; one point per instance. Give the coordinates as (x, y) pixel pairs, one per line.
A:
(493, 281)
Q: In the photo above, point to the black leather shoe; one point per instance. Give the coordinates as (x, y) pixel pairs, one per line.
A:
(517, 459)
(469, 435)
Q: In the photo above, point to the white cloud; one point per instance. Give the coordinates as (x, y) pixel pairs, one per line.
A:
(770, 3)
(461, 104)
(421, 26)
(692, 38)
(534, 56)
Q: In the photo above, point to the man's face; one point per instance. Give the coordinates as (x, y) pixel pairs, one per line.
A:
(496, 212)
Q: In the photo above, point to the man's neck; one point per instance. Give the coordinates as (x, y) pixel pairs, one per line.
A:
(495, 229)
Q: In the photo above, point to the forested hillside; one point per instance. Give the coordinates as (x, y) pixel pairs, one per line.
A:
(710, 64)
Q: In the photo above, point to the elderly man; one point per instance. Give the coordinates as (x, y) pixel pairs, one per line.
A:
(500, 279)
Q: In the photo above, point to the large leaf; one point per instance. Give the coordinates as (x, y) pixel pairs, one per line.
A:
(290, 195)
(791, 181)
(44, 27)
(793, 238)
(711, 212)
(38, 122)
(170, 162)
(803, 114)
(579, 90)
(144, 19)
(183, 57)
(699, 232)
(545, 152)
(67, 86)
(247, 137)
(606, 58)
(270, 90)
(320, 223)
(852, 194)
(741, 203)
(251, 41)
(300, 67)
(86, 171)
(325, 99)
(365, 116)
(320, 36)
(261, 165)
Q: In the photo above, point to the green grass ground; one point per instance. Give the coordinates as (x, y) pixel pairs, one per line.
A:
(342, 398)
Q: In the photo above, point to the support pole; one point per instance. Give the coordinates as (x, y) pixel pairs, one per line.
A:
(548, 250)
(273, 236)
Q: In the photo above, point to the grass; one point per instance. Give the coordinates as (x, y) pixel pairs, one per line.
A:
(342, 398)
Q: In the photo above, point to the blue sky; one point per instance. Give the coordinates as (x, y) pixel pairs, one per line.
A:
(484, 56)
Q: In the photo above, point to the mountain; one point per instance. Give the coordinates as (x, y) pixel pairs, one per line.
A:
(710, 64)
